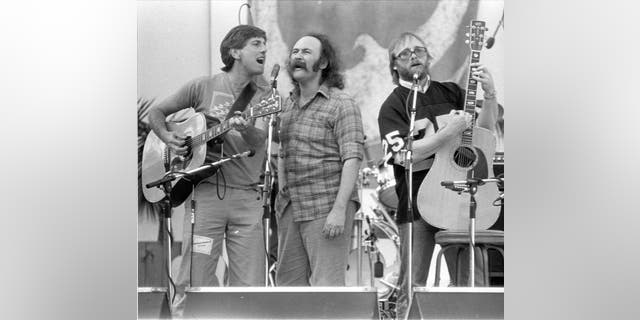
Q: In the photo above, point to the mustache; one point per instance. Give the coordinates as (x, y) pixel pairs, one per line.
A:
(297, 63)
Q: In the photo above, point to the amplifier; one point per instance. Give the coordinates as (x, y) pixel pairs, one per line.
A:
(152, 303)
(281, 303)
(457, 303)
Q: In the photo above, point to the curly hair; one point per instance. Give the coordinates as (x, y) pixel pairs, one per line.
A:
(237, 38)
(330, 75)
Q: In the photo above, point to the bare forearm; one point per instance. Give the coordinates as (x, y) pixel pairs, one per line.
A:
(348, 179)
(489, 114)
(428, 146)
(157, 122)
(254, 137)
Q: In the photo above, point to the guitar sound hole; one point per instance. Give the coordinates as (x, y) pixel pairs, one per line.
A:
(464, 157)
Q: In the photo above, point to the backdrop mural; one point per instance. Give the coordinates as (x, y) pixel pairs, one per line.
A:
(362, 31)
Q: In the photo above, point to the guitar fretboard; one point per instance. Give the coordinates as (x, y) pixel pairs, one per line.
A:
(470, 100)
(211, 133)
(265, 107)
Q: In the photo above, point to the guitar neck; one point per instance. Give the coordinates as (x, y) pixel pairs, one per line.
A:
(470, 99)
(214, 131)
(265, 107)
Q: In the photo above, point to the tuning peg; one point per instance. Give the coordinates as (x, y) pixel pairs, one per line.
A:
(466, 34)
(466, 41)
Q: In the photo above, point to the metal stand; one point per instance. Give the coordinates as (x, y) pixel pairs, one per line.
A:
(268, 179)
(409, 177)
(470, 186)
(266, 196)
(357, 222)
(168, 239)
(165, 183)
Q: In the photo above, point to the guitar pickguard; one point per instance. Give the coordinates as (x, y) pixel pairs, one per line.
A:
(480, 168)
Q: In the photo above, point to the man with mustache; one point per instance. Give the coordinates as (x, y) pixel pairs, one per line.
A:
(227, 203)
(408, 56)
(321, 150)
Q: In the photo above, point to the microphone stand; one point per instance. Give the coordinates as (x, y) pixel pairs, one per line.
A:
(357, 220)
(470, 186)
(409, 176)
(267, 188)
(168, 238)
(164, 183)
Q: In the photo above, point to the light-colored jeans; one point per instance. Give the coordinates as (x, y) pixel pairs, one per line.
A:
(238, 217)
(306, 257)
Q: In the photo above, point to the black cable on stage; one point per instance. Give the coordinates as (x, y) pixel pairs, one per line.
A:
(168, 267)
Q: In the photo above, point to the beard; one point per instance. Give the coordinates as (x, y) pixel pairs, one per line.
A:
(407, 74)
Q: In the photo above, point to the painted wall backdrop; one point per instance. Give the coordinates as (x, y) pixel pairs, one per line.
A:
(362, 32)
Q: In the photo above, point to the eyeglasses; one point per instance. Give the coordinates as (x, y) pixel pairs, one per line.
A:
(406, 53)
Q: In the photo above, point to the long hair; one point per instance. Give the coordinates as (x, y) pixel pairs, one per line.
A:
(330, 75)
(237, 38)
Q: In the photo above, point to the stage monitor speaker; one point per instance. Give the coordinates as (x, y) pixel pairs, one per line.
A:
(457, 303)
(281, 303)
(152, 303)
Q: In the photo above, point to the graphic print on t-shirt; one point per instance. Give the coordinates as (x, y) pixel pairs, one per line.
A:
(423, 128)
(220, 105)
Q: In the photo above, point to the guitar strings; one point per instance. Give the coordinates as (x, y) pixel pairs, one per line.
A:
(199, 139)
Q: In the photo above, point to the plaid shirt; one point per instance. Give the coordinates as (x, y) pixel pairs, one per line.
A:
(316, 140)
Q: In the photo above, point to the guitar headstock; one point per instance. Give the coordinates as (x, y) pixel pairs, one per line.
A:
(475, 34)
(266, 107)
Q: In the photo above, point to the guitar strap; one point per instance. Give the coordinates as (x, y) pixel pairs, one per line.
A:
(239, 105)
(243, 100)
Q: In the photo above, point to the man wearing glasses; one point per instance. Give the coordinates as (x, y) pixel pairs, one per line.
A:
(409, 63)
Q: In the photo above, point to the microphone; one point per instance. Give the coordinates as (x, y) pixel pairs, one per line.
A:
(492, 39)
(449, 184)
(248, 153)
(415, 77)
(173, 175)
(274, 75)
(490, 42)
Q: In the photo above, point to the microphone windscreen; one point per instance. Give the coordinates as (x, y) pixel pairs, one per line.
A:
(490, 42)
(275, 71)
(446, 183)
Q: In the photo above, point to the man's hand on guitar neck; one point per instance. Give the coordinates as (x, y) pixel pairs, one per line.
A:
(252, 135)
(481, 74)
(489, 115)
(238, 123)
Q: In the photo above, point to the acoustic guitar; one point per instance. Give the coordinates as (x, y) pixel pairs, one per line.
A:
(158, 159)
(470, 156)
